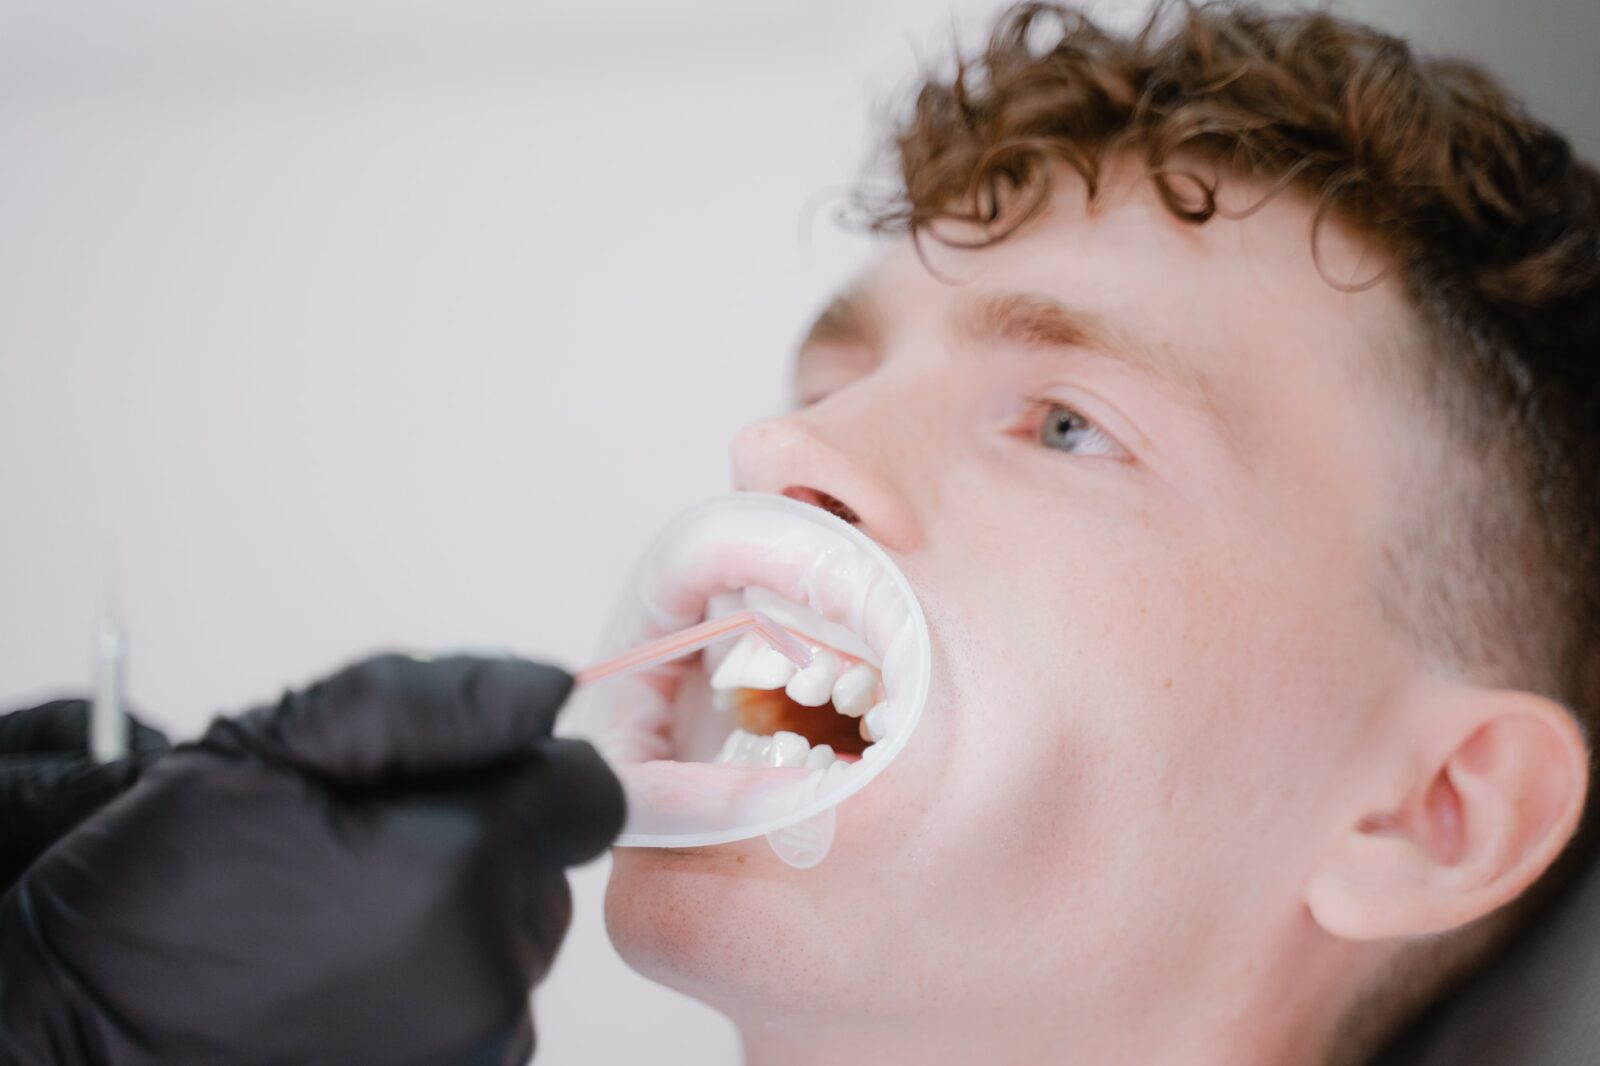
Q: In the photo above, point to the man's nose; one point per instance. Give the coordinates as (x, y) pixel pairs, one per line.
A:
(793, 457)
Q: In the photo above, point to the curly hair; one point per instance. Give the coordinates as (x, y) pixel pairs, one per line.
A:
(1487, 219)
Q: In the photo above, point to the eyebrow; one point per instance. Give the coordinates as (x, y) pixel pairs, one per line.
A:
(1028, 320)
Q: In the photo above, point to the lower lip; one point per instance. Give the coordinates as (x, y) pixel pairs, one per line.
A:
(691, 790)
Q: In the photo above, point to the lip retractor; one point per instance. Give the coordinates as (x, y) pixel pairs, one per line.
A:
(830, 611)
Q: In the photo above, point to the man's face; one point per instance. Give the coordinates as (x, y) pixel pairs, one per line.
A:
(1138, 473)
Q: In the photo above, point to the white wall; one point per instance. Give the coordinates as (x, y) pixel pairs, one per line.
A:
(1543, 49)
(348, 324)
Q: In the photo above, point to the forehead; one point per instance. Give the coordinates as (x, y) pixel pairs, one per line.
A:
(1127, 252)
(1249, 308)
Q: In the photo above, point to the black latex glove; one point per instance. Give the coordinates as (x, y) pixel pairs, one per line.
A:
(370, 871)
(48, 781)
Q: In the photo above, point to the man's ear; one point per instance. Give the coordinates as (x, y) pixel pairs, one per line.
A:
(1488, 789)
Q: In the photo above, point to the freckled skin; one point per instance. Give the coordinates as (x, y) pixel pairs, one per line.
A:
(1151, 677)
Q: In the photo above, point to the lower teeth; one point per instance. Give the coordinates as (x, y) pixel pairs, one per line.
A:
(779, 750)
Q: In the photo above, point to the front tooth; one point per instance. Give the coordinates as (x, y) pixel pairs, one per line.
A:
(747, 743)
(767, 668)
(788, 749)
(820, 758)
(730, 672)
(757, 753)
(811, 686)
(853, 692)
(874, 726)
(730, 748)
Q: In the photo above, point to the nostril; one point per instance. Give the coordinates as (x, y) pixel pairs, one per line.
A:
(832, 504)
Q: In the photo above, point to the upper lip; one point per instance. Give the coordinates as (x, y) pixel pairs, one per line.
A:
(677, 595)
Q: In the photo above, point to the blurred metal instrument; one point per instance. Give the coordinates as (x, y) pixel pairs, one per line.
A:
(108, 723)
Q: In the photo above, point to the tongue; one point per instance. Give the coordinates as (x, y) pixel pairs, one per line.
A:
(769, 712)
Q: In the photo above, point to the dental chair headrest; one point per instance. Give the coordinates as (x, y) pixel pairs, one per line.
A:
(1537, 1003)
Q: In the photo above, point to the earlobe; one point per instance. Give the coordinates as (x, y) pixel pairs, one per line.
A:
(1491, 793)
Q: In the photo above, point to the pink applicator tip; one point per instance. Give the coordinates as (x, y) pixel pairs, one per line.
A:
(687, 641)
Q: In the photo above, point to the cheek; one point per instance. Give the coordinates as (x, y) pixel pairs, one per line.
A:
(996, 809)
(1121, 704)
(1233, 683)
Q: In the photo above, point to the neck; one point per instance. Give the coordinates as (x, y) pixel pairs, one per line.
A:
(1285, 1016)
(1152, 1042)
(998, 1046)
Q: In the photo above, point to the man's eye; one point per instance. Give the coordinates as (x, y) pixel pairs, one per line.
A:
(1067, 430)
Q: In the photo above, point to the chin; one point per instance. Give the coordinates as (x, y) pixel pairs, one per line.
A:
(735, 927)
(692, 918)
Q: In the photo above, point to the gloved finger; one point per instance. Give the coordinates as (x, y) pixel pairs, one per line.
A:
(566, 804)
(43, 797)
(63, 726)
(394, 717)
(539, 914)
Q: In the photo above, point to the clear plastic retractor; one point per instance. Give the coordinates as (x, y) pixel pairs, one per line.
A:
(818, 577)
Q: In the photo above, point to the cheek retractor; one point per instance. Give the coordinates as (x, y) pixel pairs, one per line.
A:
(816, 595)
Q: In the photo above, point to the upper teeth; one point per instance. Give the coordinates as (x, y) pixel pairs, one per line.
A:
(855, 690)
(812, 686)
(751, 663)
(767, 668)
(730, 673)
(875, 726)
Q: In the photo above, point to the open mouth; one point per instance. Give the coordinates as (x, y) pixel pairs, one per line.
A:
(779, 715)
(789, 717)
(737, 742)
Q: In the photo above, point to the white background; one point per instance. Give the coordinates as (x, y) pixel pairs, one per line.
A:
(339, 325)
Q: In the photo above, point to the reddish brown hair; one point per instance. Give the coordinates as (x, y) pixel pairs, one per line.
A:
(1490, 223)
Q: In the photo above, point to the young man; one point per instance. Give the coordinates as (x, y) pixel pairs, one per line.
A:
(1227, 399)
(1227, 393)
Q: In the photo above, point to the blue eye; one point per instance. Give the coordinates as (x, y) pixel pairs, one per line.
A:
(1066, 430)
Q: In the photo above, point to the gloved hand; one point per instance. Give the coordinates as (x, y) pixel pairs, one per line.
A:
(369, 871)
(48, 781)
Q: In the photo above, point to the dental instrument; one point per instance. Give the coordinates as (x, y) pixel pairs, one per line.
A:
(686, 641)
(108, 722)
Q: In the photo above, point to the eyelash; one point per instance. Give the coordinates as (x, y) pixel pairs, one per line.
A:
(1045, 413)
